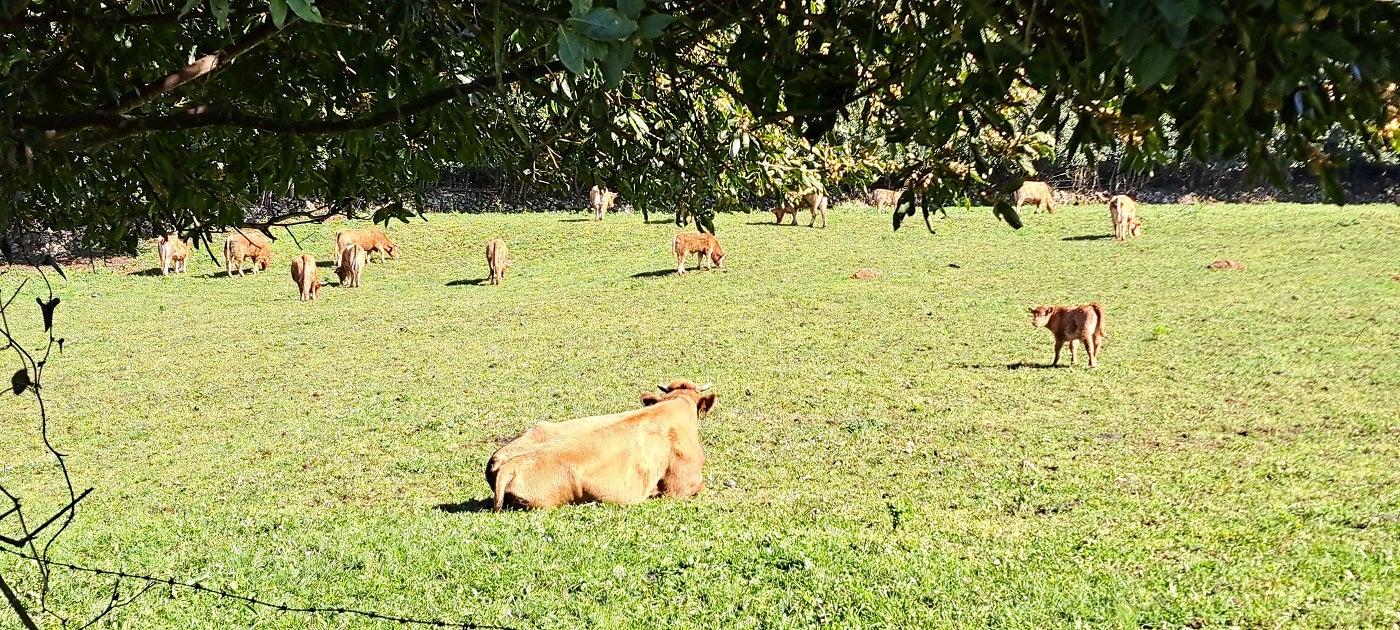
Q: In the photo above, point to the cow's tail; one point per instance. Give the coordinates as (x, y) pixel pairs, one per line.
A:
(228, 257)
(502, 482)
(1099, 331)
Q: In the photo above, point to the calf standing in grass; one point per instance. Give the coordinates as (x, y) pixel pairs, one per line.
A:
(1038, 193)
(1083, 323)
(498, 259)
(601, 199)
(1123, 210)
(371, 239)
(246, 245)
(881, 197)
(704, 245)
(816, 202)
(353, 259)
(304, 274)
(173, 252)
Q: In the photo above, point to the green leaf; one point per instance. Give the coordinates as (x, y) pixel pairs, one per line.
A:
(603, 24)
(570, 50)
(630, 8)
(305, 11)
(619, 57)
(279, 12)
(189, 6)
(47, 309)
(651, 26)
(20, 381)
(581, 8)
(1152, 65)
(220, 10)
(1005, 212)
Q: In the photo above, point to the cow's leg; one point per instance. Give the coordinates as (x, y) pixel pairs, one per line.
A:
(1073, 351)
(680, 264)
(1058, 344)
(1092, 346)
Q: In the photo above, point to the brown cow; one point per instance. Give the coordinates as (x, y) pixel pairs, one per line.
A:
(816, 202)
(246, 245)
(353, 260)
(1123, 211)
(173, 252)
(601, 200)
(304, 274)
(498, 260)
(1038, 193)
(1227, 264)
(881, 197)
(1083, 323)
(622, 458)
(703, 244)
(371, 239)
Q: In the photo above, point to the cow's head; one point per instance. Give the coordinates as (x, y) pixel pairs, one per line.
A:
(682, 389)
(264, 260)
(1040, 315)
(394, 251)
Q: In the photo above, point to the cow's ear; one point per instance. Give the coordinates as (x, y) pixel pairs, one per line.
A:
(649, 399)
(665, 389)
(705, 403)
(1032, 310)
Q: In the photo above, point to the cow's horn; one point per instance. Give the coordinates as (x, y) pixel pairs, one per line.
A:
(706, 387)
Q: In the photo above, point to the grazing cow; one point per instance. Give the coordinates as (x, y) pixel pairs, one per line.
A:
(173, 253)
(881, 197)
(703, 244)
(243, 246)
(622, 458)
(1083, 323)
(498, 260)
(371, 239)
(353, 260)
(682, 215)
(304, 274)
(601, 199)
(1123, 210)
(1227, 264)
(1038, 193)
(1135, 227)
(816, 202)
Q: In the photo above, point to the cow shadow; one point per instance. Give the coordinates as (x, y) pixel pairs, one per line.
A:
(1087, 237)
(147, 273)
(468, 507)
(469, 283)
(774, 224)
(325, 264)
(575, 220)
(1012, 366)
(653, 274)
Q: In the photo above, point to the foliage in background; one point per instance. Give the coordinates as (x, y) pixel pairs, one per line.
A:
(122, 117)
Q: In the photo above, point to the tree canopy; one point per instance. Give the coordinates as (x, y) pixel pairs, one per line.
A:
(122, 117)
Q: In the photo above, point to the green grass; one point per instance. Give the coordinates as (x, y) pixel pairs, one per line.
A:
(885, 453)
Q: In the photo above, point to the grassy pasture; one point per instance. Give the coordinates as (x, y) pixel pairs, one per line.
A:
(886, 453)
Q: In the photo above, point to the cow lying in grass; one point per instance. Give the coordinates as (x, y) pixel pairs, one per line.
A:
(498, 260)
(371, 239)
(1083, 323)
(246, 245)
(304, 274)
(1123, 211)
(703, 244)
(1038, 193)
(173, 253)
(622, 458)
(601, 200)
(353, 260)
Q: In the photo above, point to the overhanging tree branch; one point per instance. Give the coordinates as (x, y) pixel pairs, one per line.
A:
(214, 116)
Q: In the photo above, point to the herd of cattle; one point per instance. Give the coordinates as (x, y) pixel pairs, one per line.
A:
(629, 457)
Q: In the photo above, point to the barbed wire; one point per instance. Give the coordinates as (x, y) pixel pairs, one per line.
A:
(255, 601)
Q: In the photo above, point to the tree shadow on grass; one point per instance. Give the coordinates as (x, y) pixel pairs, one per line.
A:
(1087, 237)
(472, 506)
(468, 283)
(654, 274)
(1014, 366)
(325, 264)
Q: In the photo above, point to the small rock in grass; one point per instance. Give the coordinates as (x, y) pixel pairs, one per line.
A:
(1227, 264)
(866, 273)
